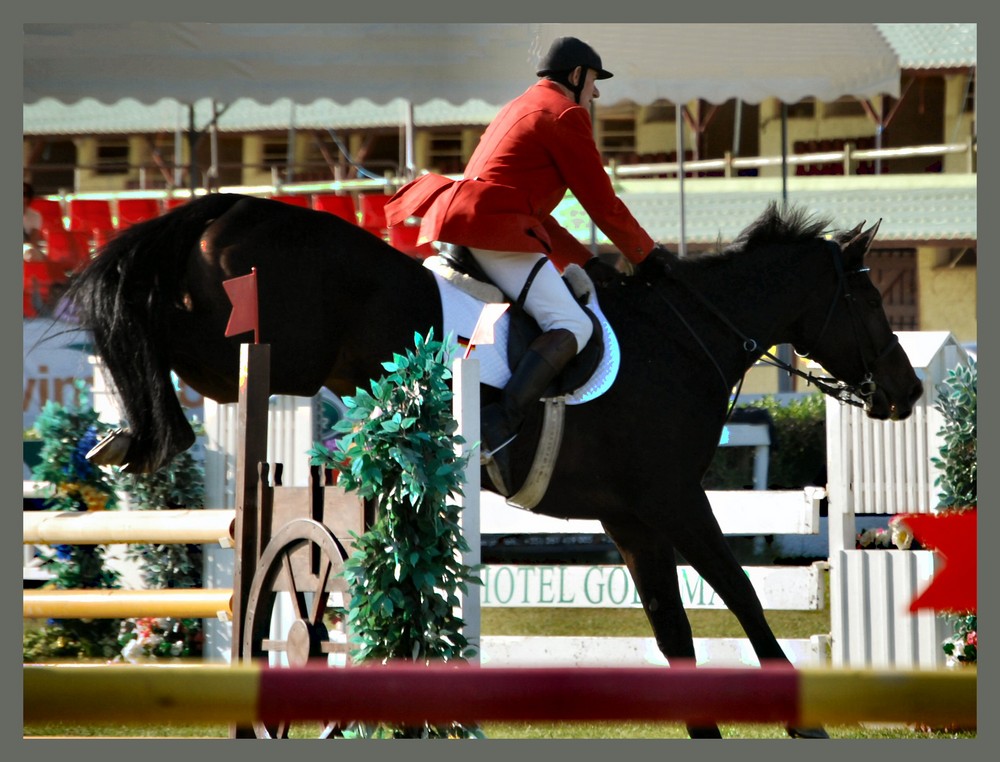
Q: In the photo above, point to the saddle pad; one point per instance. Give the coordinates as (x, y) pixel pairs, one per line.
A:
(461, 312)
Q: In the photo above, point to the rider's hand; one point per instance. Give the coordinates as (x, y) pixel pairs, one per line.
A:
(601, 272)
(657, 264)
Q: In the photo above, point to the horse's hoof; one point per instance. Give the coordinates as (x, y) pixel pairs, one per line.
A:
(111, 450)
(704, 731)
(806, 732)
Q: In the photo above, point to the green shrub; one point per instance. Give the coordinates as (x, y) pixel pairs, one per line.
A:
(797, 457)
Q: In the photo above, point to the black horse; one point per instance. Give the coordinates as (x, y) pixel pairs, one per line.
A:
(335, 302)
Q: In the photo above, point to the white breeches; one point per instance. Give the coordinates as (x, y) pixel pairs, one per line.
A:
(549, 302)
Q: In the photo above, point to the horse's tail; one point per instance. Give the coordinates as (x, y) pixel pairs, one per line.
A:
(122, 299)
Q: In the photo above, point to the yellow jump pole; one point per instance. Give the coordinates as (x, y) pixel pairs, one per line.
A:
(207, 693)
(829, 696)
(106, 527)
(183, 603)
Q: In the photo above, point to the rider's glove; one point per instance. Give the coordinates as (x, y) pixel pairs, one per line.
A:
(657, 264)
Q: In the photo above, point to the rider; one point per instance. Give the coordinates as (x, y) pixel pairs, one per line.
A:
(537, 146)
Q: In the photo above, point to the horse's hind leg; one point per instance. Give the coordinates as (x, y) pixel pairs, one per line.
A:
(650, 559)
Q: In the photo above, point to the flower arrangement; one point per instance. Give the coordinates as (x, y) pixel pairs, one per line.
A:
(151, 638)
(963, 646)
(896, 536)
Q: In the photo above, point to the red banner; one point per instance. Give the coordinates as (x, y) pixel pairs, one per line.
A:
(953, 536)
(242, 292)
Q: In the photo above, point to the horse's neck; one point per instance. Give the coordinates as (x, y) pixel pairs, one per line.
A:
(741, 308)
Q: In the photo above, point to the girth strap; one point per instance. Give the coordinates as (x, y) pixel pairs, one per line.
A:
(535, 486)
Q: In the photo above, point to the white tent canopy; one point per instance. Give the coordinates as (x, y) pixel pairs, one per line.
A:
(150, 61)
(195, 63)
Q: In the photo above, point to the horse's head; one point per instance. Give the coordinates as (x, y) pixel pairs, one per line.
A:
(850, 336)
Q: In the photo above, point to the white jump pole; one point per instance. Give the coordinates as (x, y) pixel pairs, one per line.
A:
(465, 408)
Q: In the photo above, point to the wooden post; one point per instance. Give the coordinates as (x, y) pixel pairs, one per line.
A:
(251, 449)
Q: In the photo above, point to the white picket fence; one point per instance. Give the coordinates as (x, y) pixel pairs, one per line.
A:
(885, 468)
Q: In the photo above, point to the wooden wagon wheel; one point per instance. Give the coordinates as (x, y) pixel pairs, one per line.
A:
(299, 562)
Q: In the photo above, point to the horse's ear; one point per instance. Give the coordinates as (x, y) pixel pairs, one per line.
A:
(850, 235)
(858, 243)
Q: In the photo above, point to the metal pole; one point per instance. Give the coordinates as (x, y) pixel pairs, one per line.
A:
(679, 117)
(410, 160)
(784, 154)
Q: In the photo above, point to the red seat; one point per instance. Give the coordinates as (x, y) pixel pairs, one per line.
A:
(404, 238)
(133, 210)
(40, 278)
(90, 214)
(173, 202)
(51, 211)
(342, 206)
(293, 200)
(67, 249)
(373, 213)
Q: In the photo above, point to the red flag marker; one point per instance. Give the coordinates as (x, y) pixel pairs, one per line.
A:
(953, 536)
(242, 292)
(483, 333)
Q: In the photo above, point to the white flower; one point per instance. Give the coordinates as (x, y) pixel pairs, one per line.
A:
(132, 652)
(866, 538)
(902, 537)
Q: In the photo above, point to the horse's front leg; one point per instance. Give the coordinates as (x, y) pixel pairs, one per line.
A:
(650, 558)
(699, 539)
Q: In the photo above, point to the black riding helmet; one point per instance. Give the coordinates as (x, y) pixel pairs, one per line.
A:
(565, 54)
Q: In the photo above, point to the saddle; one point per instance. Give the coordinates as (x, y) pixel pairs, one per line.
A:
(541, 431)
(524, 329)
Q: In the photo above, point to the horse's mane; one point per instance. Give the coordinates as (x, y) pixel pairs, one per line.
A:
(793, 225)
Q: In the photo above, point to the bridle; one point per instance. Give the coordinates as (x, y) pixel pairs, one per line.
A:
(857, 394)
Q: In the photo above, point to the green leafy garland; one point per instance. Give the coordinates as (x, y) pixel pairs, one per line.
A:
(405, 576)
(178, 485)
(73, 484)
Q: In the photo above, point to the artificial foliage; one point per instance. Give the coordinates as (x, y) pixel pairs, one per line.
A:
(956, 401)
(179, 485)
(398, 447)
(68, 432)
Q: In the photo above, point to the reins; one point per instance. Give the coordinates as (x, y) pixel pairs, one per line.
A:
(851, 394)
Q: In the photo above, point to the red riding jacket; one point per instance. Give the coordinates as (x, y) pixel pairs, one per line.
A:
(540, 144)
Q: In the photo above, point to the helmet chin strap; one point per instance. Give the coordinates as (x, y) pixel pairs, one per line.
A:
(563, 78)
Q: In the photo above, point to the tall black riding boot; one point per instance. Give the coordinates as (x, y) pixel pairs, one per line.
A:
(542, 362)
